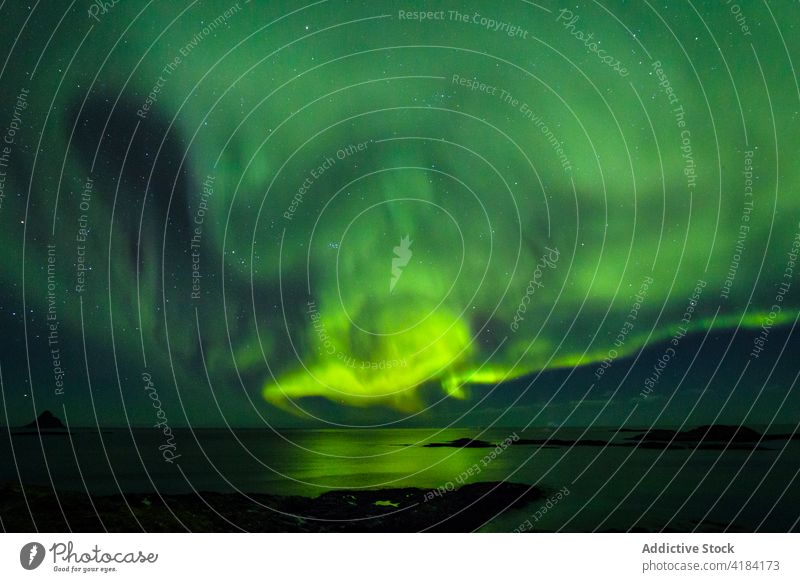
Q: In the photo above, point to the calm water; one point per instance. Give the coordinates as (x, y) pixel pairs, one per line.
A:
(613, 487)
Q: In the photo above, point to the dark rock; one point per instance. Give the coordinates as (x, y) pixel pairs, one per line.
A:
(386, 510)
(720, 433)
(47, 421)
(707, 433)
(708, 437)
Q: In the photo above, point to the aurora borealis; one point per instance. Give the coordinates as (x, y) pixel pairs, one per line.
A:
(368, 213)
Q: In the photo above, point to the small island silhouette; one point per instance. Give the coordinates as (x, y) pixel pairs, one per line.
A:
(46, 420)
(45, 423)
(706, 437)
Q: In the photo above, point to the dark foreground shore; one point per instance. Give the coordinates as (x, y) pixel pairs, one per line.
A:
(391, 510)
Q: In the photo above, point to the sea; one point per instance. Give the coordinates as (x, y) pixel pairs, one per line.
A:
(596, 487)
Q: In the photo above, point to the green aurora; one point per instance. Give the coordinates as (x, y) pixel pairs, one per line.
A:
(226, 186)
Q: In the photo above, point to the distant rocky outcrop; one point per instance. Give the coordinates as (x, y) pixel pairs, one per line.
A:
(46, 421)
(708, 437)
(705, 433)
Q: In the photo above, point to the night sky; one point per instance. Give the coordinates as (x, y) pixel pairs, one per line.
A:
(343, 214)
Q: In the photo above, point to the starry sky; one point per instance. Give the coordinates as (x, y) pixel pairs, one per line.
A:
(399, 213)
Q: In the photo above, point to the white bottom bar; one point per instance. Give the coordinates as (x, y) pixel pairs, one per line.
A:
(371, 557)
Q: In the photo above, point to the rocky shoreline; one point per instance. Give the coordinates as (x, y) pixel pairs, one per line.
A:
(386, 510)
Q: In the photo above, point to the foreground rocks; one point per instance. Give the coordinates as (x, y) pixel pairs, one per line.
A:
(392, 510)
